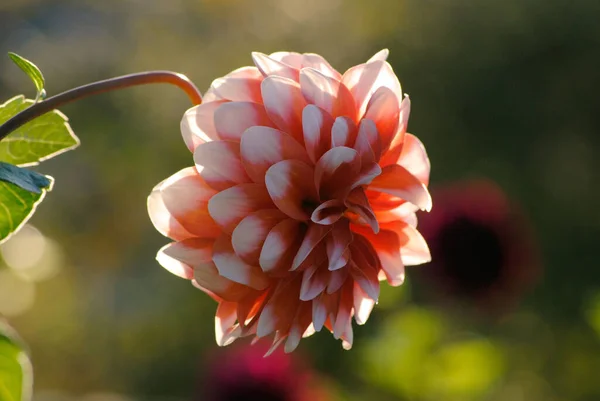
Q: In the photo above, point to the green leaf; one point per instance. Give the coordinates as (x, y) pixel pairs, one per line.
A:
(38, 140)
(17, 205)
(26, 179)
(31, 70)
(16, 373)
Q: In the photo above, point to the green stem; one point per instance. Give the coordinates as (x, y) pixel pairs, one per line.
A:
(125, 81)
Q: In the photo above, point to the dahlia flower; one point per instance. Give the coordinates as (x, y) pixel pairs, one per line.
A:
(302, 197)
(482, 246)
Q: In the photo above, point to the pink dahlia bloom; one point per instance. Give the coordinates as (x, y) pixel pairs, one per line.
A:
(302, 197)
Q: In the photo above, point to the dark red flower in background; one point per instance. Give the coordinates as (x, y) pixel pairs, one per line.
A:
(245, 374)
(481, 245)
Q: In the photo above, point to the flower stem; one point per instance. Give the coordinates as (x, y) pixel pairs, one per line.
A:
(125, 81)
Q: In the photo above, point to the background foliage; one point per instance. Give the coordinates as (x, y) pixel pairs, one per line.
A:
(500, 89)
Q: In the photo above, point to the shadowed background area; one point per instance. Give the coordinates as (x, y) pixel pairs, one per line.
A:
(503, 93)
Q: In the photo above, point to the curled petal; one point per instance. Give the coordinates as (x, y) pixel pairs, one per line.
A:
(337, 278)
(335, 172)
(162, 219)
(233, 118)
(314, 281)
(358, 204)
(317, 62)
(250, 234)
(337, 243)
(316, 127)
(343, 132)
(384, 110)
(225, 326)
(315, 234)
(269, 66)
(231, 266)
(397, 181)
(367, 278)
(363, 80)
(363, 305)
(276, 314)
(262, 147)
(328, 212)
(280, 247)
(238, 88)
(220, 165)
(381, 55)
(186, 195)
(230, 206)
(198, 124)
(284, 103)
(291, 188)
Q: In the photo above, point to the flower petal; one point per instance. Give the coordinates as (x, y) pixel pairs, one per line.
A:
(186, 195)
(280, 310)
(284, 103)
(317, 62)
(414, 158)
(198, 124)
(328, 212)
(280, 247)
(387, 246)
(269, 66)
(262, 147)
(230, 206)
(368, 143)
(293, 59)
(291, 187)
(316, 127)
(364, 79)
(384, 110)
(314, 281)
(319, 89)
(343, 132)
(231, 266)
(414, 249)
(233, 118)
(162, 219)
(397, 181)
(337, 243)
(219, 164)
(225, 318)
(315, 234)
(241, 85)
(358, 203)
(381, 55)
(335, 172)
(250, 234)
(363, 305)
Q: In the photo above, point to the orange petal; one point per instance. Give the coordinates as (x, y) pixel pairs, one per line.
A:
(262, 147)
(358, 203)
(387, 246)
(250, 234)
(230, 206)
(219, 164)
(162, 219)
(397, 181)
(238, 89)
(233, 118)
(363, 305)
(198, 124)
(335, 171)
(414, 158)
(364, 79)
(284, 103)
(225, 326)
(269, 66)
(414, 249)
(317, 62)
(343, 132)
(384, 110)
(231, 266)
(316, 126)
(280, 247)
(314, 281)
(381, 55)
(280, 310)
(319, 89)
(291, 187)
(343, 320)
(300, 325)
(337, 243)
(186, 195)
(315, 234)
(328, 212)
(367, 278)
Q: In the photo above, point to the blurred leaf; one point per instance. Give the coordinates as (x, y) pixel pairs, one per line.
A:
(38, 140)
(26, 179)
(16, 207)
(16, 377)
(32, 71)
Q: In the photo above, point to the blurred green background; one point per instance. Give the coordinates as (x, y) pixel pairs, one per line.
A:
(503, 89)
